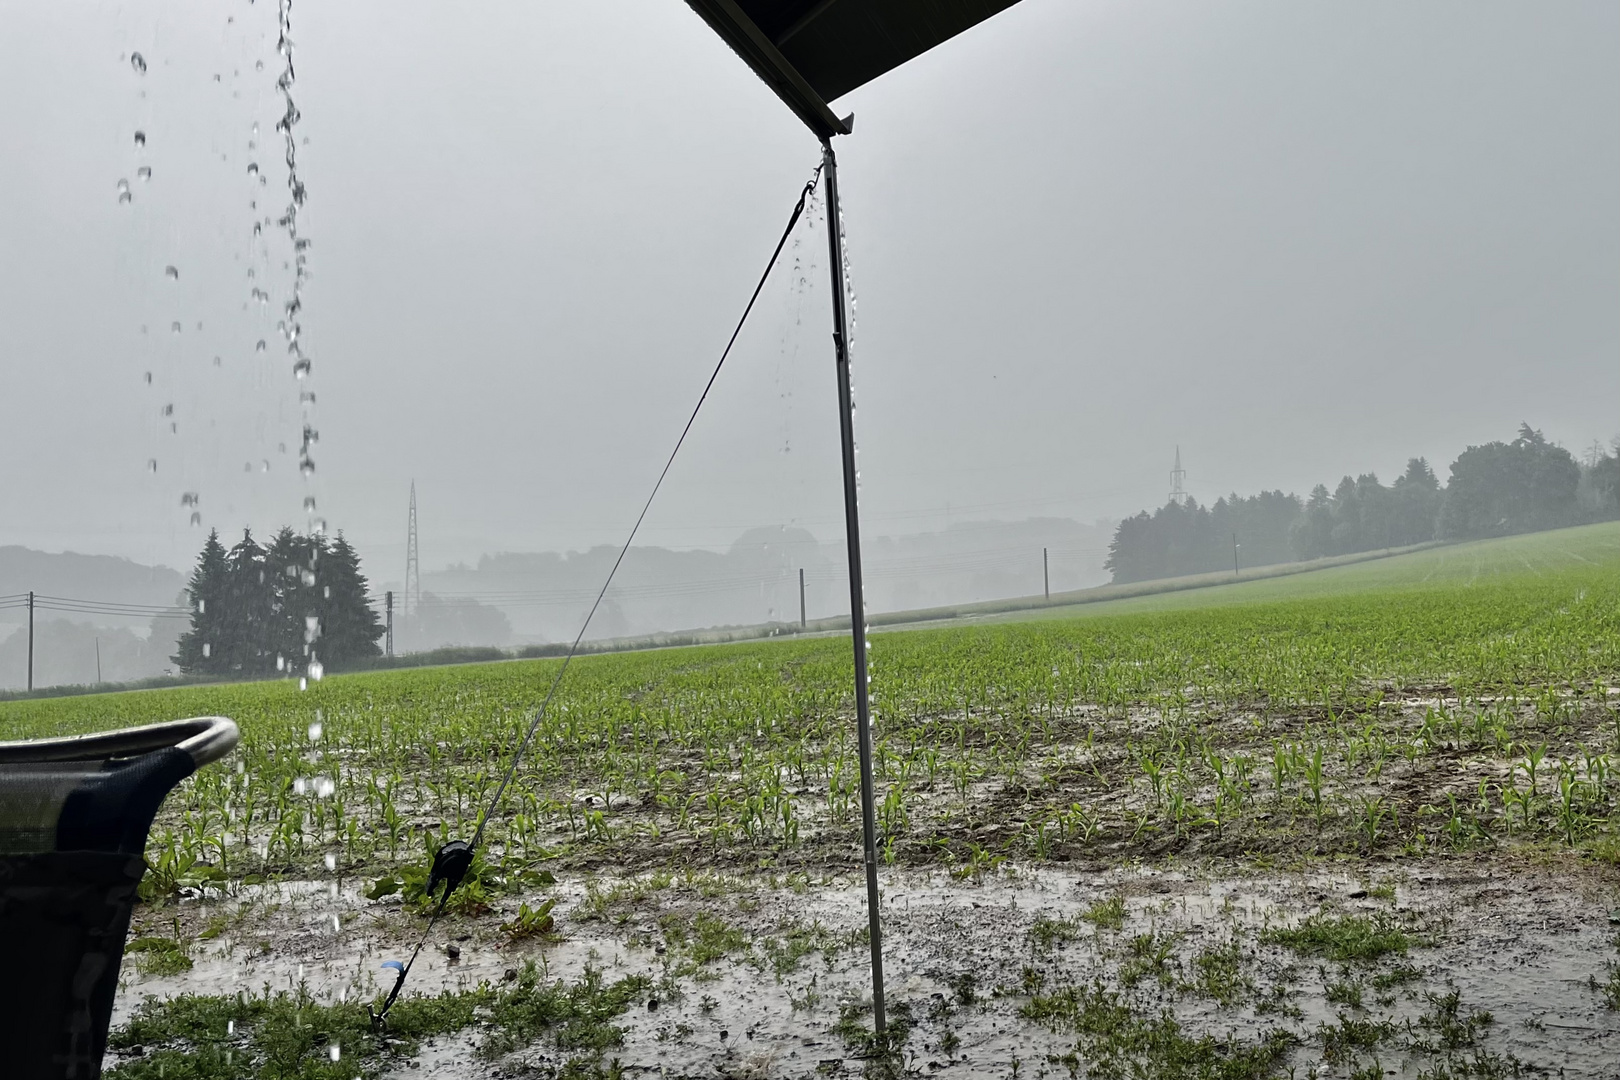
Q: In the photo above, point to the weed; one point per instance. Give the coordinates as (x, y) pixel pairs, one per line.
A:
(1345, 938)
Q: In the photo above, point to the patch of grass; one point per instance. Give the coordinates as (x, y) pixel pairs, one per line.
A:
(1450, 1027)
(700, 939)
(1345, 938)
(283, 1036)
(1341, 1042)
(1106, 914)
(1218, 973)
(1046, 933)
(1150, 954)
(784, 954)
(1115, 1040)
(883, 1054)
(577, 1016)
(160, 955)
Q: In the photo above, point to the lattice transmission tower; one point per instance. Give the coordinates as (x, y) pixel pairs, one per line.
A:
(1178, 484)
(413, 567)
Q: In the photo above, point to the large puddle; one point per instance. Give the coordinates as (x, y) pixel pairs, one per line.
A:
(1524, 943)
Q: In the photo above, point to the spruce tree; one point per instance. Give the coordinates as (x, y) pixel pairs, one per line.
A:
(352, 626)
(247, 644)
(292, 568)
(200, 650)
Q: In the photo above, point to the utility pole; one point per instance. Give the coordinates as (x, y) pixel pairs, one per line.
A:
(1178, 482)
(857, 597)
(30, 640)
(802, 622)
(1235, 572)
(388, 605)
(98, 660)
(1046, 574)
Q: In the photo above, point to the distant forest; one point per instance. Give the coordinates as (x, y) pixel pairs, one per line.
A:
(1496, 489)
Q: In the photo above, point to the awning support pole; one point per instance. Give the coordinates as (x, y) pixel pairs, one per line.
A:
(857, 598)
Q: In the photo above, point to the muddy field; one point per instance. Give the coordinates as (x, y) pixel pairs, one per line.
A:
(1449, 967)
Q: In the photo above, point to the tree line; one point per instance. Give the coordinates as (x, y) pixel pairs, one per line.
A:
(295, 605)
(1496, 489)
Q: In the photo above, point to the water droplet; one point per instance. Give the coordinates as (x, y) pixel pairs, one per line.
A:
(300, 785)
(309, 504)
(253, 168)
(148, 378)
(202, 605)
(315, 730)
(140, 138)
(324, 786)
(301, 367)
(230, 1025)
(174, 327)
(208, 650)
(196, 518)
(336, 1051)
(151, 465)
(171, 273)
(260, 346)
(123, 191)
(331, 864)
(281, 663)
(303, 684)
(138, 62)
(258, 65)
(216, 361)
(257, 229)
(265, 467)
(144, 172)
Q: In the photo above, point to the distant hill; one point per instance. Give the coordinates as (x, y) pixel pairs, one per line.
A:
(544, 596)
(65, 645)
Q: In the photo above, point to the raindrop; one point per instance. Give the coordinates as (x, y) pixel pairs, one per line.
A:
(202, 605)
(317, 672)
(253, 168)
(207, 650)
(174, 327)
(151, 465)
(196, 518)
(324, 787)
(260, 346)
(138, 62)
(171, 273)
(148, 378)
(257, 229)
(140, 138)
(300, 785)
(331, 864)
(123, 191)
(216, 361)
(258, 65)
(144, 172)
(301, 367)
(265, 466)
(335, 1051)
(281, 663)
(309, 504)
(230, 1027)
(307, 467)
(315, 730)
(303, 684)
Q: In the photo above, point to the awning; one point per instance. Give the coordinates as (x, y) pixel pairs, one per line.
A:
(813, 51)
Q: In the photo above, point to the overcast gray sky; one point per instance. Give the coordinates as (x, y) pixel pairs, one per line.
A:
(1298, 240)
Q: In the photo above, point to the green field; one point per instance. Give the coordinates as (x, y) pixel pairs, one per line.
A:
(1042, 733)
(1455, 703)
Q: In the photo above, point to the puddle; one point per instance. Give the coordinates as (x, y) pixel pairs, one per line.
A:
(1523, 944)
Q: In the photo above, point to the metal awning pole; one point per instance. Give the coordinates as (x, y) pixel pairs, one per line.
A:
(857, 598)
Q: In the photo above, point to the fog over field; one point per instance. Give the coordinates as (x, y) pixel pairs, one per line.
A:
(1295, 242)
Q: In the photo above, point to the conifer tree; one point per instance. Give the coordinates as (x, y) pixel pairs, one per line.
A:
(352, 626)
(249, 611)
(200, 650)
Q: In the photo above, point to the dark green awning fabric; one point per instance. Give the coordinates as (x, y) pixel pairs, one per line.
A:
(812, 51)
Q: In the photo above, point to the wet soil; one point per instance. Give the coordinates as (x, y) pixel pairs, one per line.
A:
(1531, 941)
